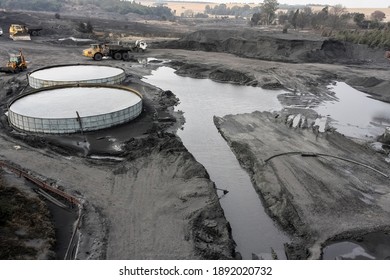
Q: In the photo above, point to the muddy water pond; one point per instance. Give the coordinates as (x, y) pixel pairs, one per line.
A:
(354, 113)
(200, 100)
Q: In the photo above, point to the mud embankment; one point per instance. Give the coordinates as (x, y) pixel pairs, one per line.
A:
(26, 228)
(312, 183)
(252, 43)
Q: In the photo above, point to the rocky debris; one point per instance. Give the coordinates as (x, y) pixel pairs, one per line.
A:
(317, 185)
(385, 137)
(209, 230)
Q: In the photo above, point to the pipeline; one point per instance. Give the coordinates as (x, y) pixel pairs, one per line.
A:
(312, 154)
(41, 184)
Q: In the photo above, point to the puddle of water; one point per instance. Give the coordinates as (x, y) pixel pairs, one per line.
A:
(354, 114)
(370, 246)
(252, 229)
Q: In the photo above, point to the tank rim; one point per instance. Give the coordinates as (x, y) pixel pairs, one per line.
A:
(34, 91)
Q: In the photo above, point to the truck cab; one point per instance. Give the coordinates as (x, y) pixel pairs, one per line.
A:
(96, 51)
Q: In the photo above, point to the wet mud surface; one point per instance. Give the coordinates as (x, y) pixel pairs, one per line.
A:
(311, 181)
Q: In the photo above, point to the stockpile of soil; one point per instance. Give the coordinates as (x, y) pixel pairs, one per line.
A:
(258, 44)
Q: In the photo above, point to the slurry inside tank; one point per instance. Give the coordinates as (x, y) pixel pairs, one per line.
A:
(76, 73)
(71, 109)
(352, 112)
(252, 229)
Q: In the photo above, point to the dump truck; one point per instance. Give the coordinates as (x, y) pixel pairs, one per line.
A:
(23, 32)
(115, 51)
(16, 64)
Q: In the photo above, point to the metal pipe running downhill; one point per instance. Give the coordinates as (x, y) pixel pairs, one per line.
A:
(313, 154)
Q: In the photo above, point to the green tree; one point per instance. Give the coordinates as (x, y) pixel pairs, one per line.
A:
(358, 18)
(304, 17)
(294, 18)
(256, 17)
(378, 16)
(335, 17)
(268, 8)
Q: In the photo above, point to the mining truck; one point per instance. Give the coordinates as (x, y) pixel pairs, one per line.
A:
(16, 64)
(23, 32)
(115, 51)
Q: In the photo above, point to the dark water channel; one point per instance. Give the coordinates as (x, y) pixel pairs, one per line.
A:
(253, 230)
(351, 112)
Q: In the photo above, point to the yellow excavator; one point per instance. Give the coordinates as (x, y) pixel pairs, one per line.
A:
(16, 64)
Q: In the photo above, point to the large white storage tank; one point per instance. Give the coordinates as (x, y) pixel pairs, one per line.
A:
(75, 74)
(74, 108)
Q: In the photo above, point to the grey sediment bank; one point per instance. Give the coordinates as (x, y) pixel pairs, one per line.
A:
(74, 108)
(75, 74)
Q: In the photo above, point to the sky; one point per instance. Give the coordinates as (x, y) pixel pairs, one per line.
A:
(345, 3)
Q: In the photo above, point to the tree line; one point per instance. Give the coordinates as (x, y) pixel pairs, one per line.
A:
(118, 6)
(224, 10)
(333, 21)
(335, 17)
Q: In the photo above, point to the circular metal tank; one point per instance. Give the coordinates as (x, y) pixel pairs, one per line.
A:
(74, 108)
(75, 74)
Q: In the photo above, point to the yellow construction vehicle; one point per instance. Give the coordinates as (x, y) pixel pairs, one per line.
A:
(115, 51)
(22, 32)
(15, 64)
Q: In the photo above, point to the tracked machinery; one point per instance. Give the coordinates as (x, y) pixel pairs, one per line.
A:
(16, 64)
(19, 32)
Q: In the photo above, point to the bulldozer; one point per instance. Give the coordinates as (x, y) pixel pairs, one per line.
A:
(16, 64)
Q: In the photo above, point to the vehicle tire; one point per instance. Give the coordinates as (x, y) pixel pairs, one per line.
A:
(125, 56)
(34, 33)
(98, 56)
(117, 56)
(39, 33)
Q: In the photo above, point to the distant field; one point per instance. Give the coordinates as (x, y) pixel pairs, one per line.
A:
(199, 7)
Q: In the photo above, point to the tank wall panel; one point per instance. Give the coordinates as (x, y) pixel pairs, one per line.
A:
(71, 125)
(40, 83)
